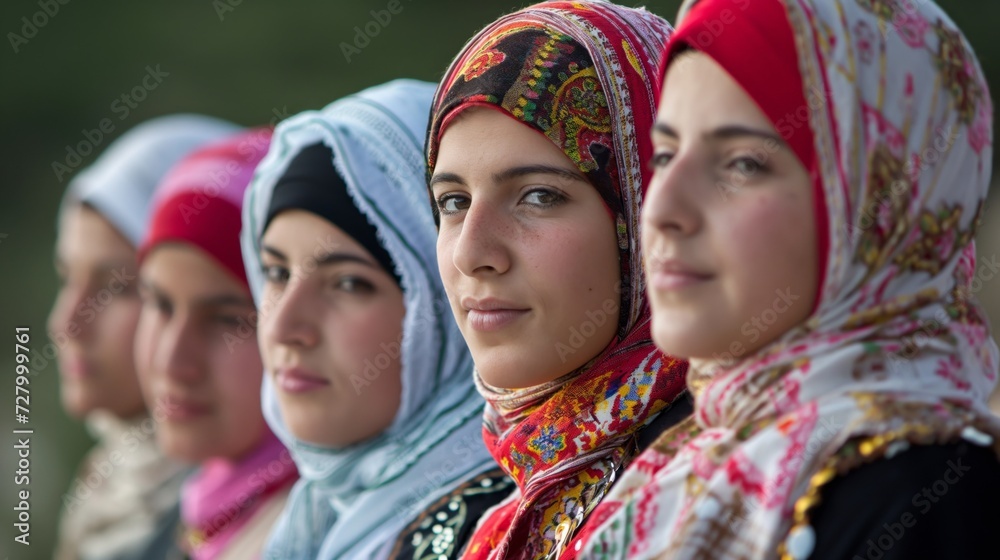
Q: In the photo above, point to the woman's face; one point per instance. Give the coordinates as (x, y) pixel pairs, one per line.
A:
(196, 352)
(527, 250)
(331, 331)
(728, 232)
(94, 316)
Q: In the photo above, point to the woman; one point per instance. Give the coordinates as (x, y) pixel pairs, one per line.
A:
(537, 166)
(124, 501)
(834, 415)
(368, 377)
(197, 356)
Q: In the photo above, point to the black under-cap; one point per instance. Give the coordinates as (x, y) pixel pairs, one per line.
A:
(311, 183)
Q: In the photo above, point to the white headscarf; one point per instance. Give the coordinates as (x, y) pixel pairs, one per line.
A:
(120, 184)
(353, 502)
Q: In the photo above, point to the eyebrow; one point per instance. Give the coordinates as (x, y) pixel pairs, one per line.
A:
(323, 260)
(100, 271)
(723, 132)
(539, 169)
(513, 173)
(446, 178)
(218, 300)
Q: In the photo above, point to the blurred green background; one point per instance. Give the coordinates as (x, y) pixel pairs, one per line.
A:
(248, 61)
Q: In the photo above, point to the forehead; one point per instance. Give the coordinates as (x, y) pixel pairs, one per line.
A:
(480, 138)
(86, 238)
(300, 234)
(698, 93)
(186, 271)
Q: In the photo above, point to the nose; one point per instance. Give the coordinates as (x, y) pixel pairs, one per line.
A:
(61, 324)
(673, 205)
(178, 349)
(288, 318)
(480, 247)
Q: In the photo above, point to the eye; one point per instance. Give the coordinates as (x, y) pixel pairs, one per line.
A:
(158, 304)
(354, 285)
(275, 274)
(661, 159)
(452, 203)
(543, 197)
(226, 320)
(747, 166)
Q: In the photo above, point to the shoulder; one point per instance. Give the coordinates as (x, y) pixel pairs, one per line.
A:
(935, 500)
(443, 529)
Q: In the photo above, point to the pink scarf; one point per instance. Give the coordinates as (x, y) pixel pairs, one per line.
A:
(224, 495)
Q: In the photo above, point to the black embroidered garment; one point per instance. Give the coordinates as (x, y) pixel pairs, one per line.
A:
(445, 527)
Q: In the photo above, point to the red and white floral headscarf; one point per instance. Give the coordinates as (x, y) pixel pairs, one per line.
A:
(897, 351)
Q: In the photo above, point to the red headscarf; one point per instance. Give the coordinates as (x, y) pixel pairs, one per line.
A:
(199, 200)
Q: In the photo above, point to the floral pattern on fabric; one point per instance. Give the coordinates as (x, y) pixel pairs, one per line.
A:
(959, 71)
(897, 349)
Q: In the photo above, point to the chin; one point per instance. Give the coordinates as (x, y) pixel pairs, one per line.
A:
(497, 373)
(305, 430)
(76, 405)
(677, 338)
(179, 449)
(501, 377)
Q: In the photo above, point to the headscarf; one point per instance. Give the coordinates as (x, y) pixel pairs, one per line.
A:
(352, 502)
(897, 351)
(311, 183)
(582, 74)
(120, 184)
(128, 511)
(200, 199)
(198, 203)
(221, 499)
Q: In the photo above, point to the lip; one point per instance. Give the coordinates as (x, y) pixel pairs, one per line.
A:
(674, 274)
(182, 409)
(492, 314)
(299, 380)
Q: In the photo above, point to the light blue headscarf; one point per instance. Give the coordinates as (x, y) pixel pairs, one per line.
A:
(353, 502)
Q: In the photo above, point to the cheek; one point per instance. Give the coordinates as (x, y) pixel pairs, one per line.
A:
(771, 247)
(564, 256)
(446, 264)
(238, 381)
(363, 336)
(580, 266)
(237, 361)
(118, 329)
(145, 344)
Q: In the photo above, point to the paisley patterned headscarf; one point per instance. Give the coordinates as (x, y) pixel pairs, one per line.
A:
(582, 74)
(897, 351)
